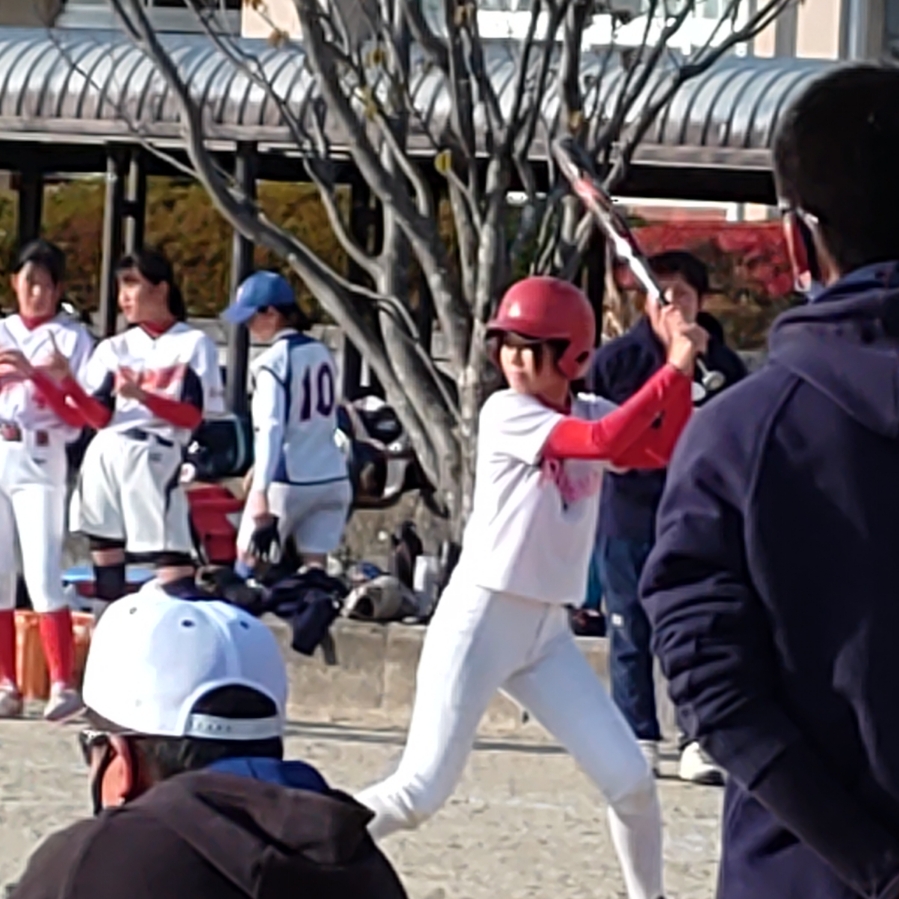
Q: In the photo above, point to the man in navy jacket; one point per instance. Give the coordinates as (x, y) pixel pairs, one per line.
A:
(773, 588)
(629, 503)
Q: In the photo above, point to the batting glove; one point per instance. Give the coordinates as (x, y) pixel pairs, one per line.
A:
(265, 544)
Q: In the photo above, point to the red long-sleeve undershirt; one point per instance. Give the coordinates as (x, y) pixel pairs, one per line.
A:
(93, 412)
(627, 437)
(56, 399)
(175, 412)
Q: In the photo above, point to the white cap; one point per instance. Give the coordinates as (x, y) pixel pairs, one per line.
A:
(152, 657)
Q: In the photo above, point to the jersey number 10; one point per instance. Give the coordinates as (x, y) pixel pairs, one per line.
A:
(323, 389)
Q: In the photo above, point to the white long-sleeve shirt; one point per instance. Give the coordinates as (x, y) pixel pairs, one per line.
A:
(294, 412)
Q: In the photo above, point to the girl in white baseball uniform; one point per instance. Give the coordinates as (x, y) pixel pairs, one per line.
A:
(502, 622)
(36, 423)
(145, 390)
(300, 488)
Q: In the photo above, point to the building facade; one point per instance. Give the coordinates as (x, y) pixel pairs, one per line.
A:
(820, 29)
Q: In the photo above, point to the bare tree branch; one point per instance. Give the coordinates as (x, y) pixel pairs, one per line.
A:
(522, 69)
(433, 46)
(705, 58)
(314, 144)
(344, 300)
(369, 85)
(134, 127)
(630, 92)
(525, 136)
(419, 230)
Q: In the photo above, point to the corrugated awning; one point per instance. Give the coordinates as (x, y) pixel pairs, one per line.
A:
(94, 87)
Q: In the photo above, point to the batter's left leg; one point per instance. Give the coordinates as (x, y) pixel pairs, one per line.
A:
(565, 695)
(471, 645)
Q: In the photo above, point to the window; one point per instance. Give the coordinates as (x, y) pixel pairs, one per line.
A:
(166, 15)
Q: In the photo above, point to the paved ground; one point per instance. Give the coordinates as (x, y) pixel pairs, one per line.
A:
(524, 822)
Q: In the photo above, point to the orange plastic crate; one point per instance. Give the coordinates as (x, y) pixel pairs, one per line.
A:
(31, 665)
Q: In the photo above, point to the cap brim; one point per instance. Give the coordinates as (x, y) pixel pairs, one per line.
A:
(238, 315)
(521, 326)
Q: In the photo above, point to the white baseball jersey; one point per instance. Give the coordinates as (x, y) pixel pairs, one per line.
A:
(533, 521)
(20, 401)
(295, 413)
(180, 364)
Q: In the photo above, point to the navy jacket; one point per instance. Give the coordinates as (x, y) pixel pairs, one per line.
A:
(773, 591)
(628, 502)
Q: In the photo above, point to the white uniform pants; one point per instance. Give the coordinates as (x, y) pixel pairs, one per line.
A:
(315, 515)
(479, 642)
(129, 489)
(32, 508)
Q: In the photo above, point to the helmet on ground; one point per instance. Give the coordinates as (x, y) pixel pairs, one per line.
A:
(550, 309)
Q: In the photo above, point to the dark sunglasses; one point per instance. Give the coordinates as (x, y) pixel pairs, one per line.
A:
(90, 739)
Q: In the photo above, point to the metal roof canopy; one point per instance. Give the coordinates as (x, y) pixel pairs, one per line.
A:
(83, 90)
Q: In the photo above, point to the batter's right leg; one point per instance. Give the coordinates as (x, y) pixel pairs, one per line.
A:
(469, 650)
(566, 696)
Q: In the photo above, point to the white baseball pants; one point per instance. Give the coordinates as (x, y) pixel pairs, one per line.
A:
(315, 515)
(130, 490)
(479, 642)
(32, 507)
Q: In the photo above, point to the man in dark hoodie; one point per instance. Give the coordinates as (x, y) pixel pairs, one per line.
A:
(192, 800)
(629, 502)
(773, 588)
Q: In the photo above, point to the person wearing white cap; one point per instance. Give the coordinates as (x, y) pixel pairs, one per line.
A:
(192, 799)
(300, 488)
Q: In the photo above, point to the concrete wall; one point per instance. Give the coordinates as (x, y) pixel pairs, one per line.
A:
(29, 13)
(817, 31)
(372, 683)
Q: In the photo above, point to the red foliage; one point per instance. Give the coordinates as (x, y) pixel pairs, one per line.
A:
(744, 257)
(749, 270)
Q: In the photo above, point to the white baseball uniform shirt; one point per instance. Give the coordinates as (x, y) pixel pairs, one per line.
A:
(181, 364)
(20, 401)
(295, 413)
(533, 521)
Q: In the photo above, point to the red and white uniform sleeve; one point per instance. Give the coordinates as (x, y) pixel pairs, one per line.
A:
(177, 370)
(641, 433)
(35, 403)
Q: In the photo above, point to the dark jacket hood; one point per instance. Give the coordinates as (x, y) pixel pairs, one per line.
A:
(846, 344)
(234, 820)
(241, 829)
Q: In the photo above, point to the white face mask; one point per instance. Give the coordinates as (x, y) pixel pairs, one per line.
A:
(807, 222)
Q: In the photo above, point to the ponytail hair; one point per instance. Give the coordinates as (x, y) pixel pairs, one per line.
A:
(157, 269)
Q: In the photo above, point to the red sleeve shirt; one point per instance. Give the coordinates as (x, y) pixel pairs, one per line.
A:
(641, 433)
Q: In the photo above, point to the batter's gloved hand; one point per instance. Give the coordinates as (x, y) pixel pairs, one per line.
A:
(265, 544)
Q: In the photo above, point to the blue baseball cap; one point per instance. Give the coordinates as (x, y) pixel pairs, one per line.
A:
(260, 290)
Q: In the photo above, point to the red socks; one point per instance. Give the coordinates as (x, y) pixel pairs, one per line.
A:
(59, 645)
(8, 646)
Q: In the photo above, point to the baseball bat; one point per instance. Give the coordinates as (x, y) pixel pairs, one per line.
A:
(577, 167)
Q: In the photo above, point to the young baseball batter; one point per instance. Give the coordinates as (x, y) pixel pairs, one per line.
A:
(35, 426)
(502, 622)
(300, 488)
(146, 391)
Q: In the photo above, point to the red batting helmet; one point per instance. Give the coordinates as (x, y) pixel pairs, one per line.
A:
(550, 309)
